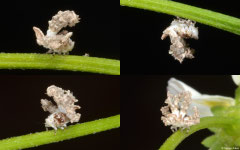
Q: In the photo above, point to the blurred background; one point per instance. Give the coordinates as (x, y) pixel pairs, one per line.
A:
(21, 111)
(143, 96)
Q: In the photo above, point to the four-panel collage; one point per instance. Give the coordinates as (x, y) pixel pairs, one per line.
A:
(179, 87)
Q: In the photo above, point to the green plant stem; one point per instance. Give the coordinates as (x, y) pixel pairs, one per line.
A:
(46, 137)
(207, 122)
(200, 15)
(59, 62)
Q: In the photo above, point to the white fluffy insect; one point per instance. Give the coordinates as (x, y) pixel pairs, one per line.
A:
(54, 40)
(175, 113)
(64, 112)
(179, 30)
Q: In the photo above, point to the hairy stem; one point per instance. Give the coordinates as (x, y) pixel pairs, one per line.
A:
(59, 62)
(207, 122)
(46, 137)
(200, 15)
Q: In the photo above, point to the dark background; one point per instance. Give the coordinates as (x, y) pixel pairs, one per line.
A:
(143, 96)
(99, 96)
(21, 112)
(145, 53)
(97, 33)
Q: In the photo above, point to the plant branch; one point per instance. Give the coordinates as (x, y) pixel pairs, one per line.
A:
(59, 62)
(200, 15)
(207, 122)
(46, 137)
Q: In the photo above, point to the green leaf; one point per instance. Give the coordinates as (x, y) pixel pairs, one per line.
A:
(220, 140)
(231, 112)
(215, 130)
(209, 141)
(225, 137)
(237, 95)
(206, 122)
(218, 110)
(217, 145)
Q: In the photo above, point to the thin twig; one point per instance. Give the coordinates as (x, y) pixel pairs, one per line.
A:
(204, 16)
(46, 137)
(59, 62)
